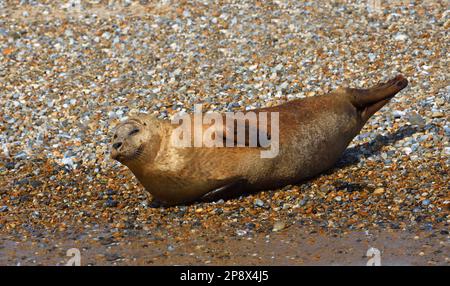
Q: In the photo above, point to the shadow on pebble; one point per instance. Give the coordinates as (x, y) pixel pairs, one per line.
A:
(353, 155)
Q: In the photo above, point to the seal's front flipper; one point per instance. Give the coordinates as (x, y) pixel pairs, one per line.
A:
(369, 101)
(155, 203)
(252, 131)
(227, 191)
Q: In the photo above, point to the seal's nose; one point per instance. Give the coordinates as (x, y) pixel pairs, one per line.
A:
(117, 145)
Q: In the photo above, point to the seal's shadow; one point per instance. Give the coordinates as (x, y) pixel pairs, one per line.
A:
(353, 155)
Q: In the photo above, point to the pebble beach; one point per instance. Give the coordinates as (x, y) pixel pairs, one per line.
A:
(72, 70)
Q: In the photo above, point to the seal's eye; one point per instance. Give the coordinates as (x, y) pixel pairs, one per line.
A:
(134, 131)
(115, 136)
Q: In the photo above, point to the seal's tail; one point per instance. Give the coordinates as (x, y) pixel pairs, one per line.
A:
(373, 99)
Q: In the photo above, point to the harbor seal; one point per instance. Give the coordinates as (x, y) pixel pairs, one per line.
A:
(313, 134)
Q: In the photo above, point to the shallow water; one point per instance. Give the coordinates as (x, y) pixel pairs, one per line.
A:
(292, 246)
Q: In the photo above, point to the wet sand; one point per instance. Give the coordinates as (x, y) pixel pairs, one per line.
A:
(293, 246)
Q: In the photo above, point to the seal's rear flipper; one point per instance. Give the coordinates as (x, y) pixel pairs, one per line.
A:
(369, 101)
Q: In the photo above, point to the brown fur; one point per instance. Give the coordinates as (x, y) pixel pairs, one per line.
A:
(314, 132)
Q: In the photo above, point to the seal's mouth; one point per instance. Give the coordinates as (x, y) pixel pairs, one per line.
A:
(137, 153)
(116, 156)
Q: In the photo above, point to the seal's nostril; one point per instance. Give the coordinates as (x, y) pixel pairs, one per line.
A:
(117, 145)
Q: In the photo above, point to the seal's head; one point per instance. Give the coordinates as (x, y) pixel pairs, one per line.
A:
(133, 139)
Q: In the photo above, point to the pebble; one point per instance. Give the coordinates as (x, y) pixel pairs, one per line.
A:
(401, 37)
(68, 162)
(259, 203)
(241, 232)
(398, 113)
(278, 226)
(110, 203)
(10, 165)
(378, 191)
(437, 114)
(407, 150)
(416, 119)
